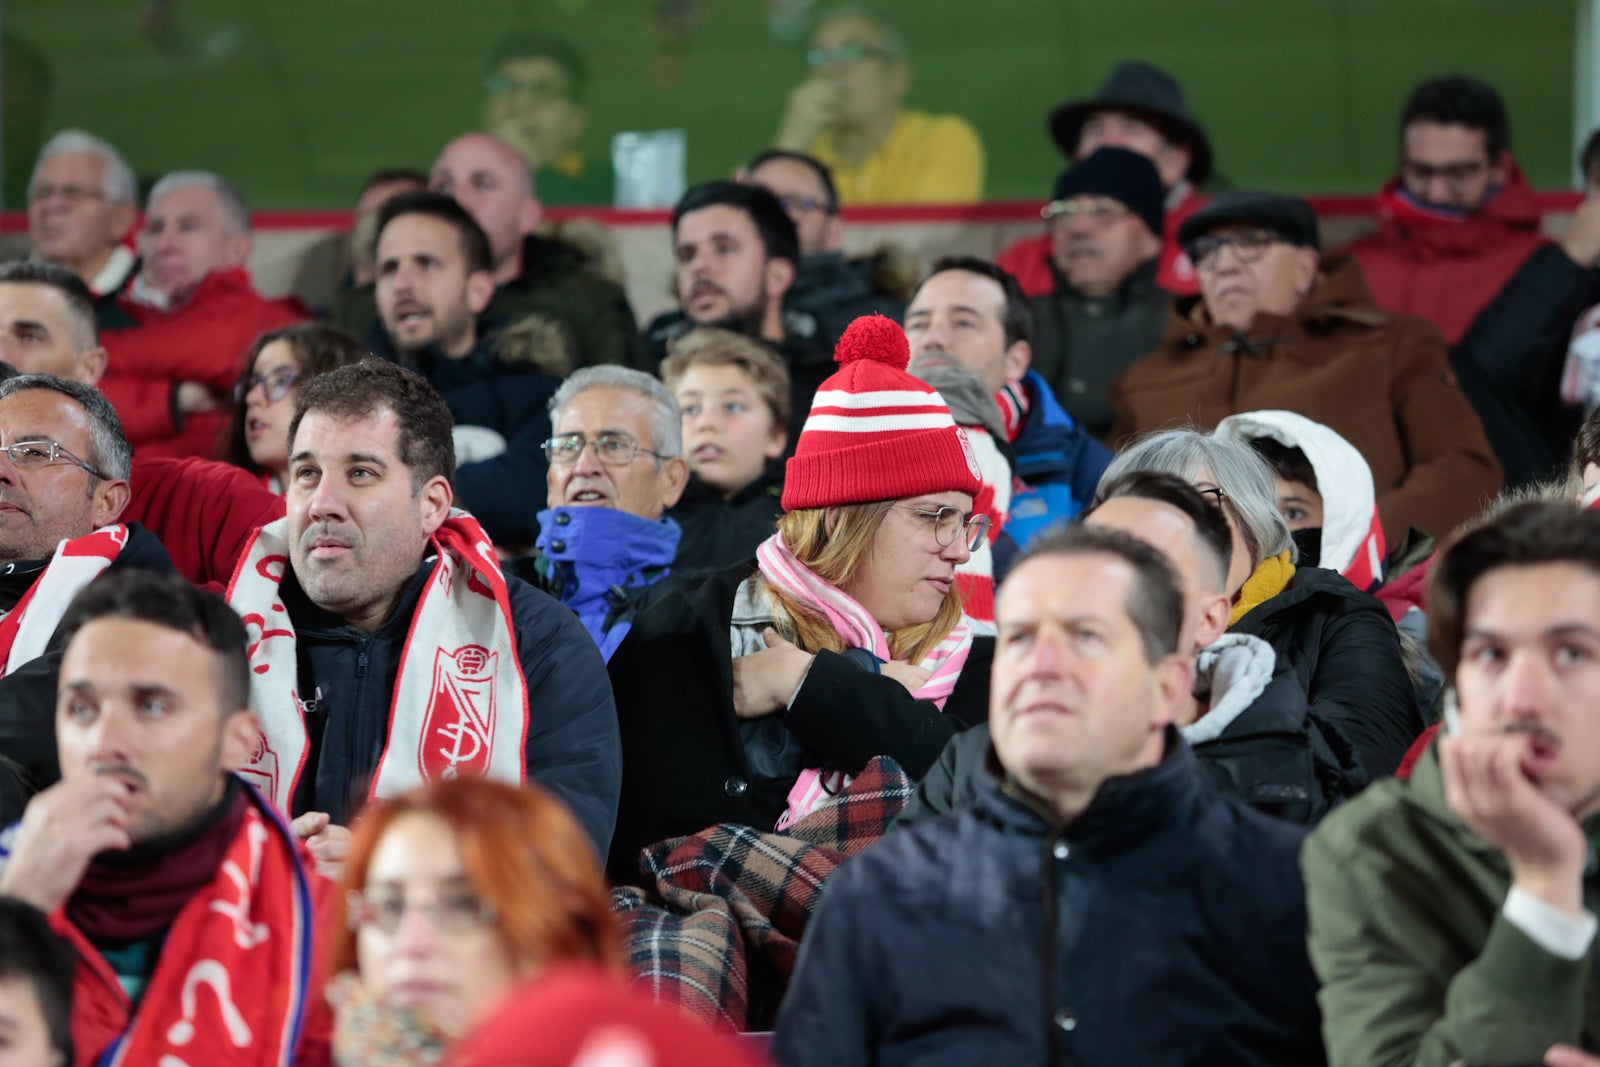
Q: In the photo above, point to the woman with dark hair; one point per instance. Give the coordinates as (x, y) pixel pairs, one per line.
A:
(277, 365)
(752, 695)
(36, 969)
(455, 892)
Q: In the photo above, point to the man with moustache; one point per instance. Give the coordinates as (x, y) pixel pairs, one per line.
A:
(1106, 309)
(1032, 927)
(1453, 915)
(433, 266)
(392, 650)
(531, 275)
(736, 251)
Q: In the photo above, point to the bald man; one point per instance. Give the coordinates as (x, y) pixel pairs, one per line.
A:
(532, 274)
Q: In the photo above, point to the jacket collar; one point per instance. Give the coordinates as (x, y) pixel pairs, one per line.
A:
(309, 618)
(606, 546)
(1339, 297)
(1127, 811)
(1511, 209)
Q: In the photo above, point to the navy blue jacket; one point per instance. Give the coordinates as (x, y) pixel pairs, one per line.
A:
(1058, 463)
(572, 749)
(1174, 934)
(597, 560)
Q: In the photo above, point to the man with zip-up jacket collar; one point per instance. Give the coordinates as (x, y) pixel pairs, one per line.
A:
(1098, 904)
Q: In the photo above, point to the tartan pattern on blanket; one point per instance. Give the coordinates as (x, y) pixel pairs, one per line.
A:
(731, 892)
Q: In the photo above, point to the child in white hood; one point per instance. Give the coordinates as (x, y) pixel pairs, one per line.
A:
(1325, 492)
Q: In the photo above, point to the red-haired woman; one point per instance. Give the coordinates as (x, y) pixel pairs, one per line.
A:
(456, 891)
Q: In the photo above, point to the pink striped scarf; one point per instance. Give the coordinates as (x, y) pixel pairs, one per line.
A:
(858, 629)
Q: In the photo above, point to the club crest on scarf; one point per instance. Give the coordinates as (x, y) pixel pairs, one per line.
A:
(461, 713)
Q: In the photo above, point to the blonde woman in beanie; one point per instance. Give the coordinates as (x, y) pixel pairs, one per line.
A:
(750, 696)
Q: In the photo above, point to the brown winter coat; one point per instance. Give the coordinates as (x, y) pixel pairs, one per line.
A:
(1378, 378)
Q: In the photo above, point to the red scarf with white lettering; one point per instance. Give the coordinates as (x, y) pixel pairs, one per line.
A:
(236, 971)
(26, 630)
(460, 704)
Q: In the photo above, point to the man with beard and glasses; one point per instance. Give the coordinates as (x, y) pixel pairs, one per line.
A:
(195, 916)
(1106, 309)
(433, 279)
(392, 650)
(1453, 915)
(736, 252)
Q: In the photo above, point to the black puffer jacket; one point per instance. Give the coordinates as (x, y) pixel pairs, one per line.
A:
(719, 531)
(1343, 647)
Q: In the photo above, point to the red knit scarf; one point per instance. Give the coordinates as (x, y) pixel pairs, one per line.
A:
(134, 895)
(233, 982)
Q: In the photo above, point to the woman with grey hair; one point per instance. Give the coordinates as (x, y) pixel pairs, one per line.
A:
(1339, 640)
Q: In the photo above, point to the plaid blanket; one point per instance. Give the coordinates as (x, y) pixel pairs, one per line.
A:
(718, 932)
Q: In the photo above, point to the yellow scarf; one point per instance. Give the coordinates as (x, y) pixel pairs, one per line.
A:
(1269, 579)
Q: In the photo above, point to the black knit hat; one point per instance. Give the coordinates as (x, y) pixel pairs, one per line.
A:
(1149, 93)
(1125, 176)
(1287, 216)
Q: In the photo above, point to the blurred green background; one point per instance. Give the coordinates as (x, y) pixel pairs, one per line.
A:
(298, 100)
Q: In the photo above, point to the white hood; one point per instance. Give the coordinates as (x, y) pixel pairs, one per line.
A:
(1349, 502)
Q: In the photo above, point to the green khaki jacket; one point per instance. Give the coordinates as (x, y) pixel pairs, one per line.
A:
(1417, 964)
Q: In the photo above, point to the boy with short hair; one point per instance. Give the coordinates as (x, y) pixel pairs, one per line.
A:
(734, 395)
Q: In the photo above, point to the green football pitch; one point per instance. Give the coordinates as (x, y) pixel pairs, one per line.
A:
(298, 100)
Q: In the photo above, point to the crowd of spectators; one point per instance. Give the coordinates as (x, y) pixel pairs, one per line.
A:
(1179, 632)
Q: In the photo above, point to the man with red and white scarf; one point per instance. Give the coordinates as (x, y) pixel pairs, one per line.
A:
(1039, 467)
(195, 913)
(387, 648)
(63, 492)
(1459, 218)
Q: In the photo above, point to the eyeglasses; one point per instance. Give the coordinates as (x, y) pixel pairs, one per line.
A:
(547, 91)
(453, 911)
(32, 454)
(800, 205)
(275, 384)
(1455, 175)
(1215, 493)
(1099, 212)
(1247, 245)
(72, 194)
(849, 52)
(612, 449)
(948, 523)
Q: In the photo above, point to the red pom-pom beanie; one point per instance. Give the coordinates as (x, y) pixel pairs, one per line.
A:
(875, 432)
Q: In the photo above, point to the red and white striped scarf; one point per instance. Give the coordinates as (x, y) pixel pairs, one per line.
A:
(26, 630)
(858, 629)
(460, 703)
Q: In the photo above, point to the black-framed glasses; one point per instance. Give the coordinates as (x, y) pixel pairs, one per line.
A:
(33, 454)
(456, 910)
(948, 524)
(1455, 175)
(1248, 245)
(849, 52)
(1215, 493)
(612, 449)
(275, 385)
(1101, 211)
(801, 205)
